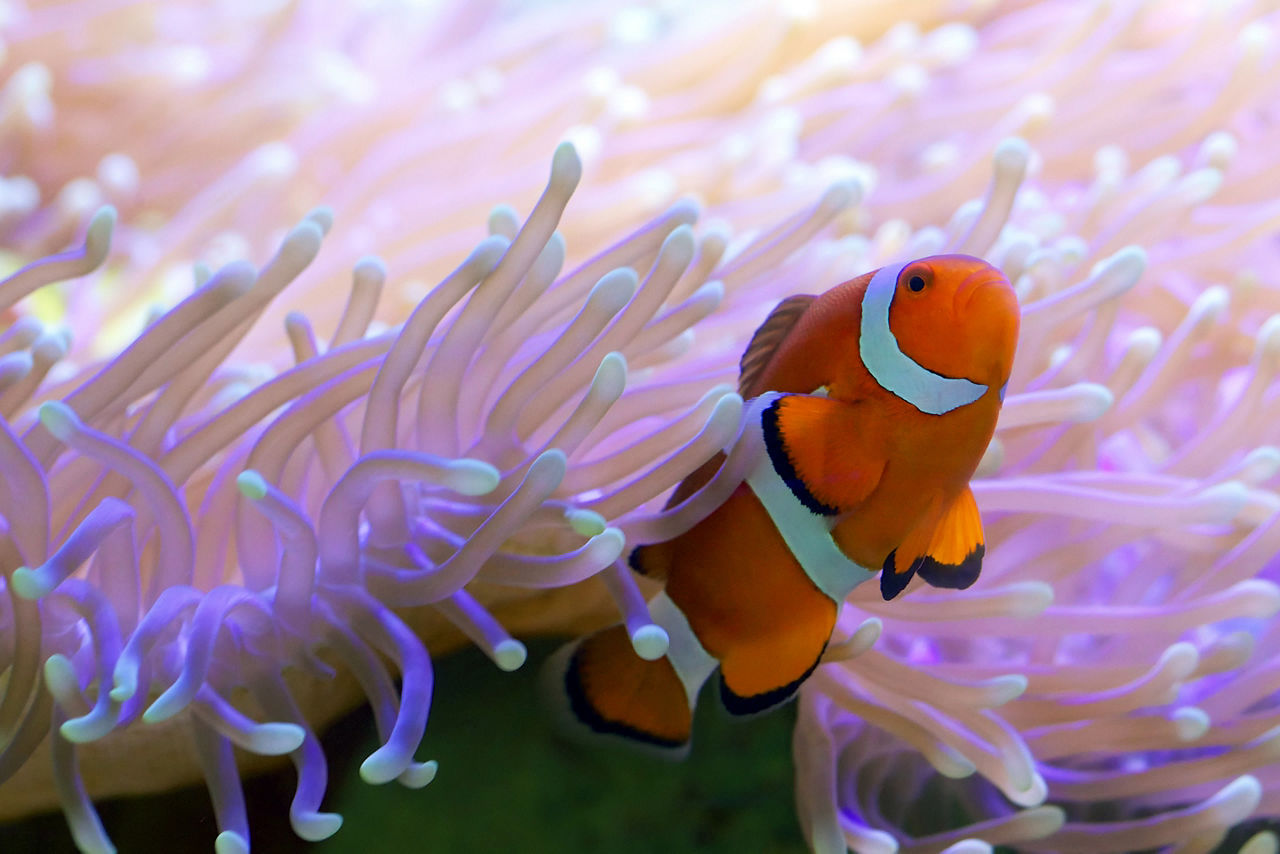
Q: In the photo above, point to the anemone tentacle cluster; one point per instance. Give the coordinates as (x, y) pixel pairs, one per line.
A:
(173, 548)
(1109, 684)
(1117, 649)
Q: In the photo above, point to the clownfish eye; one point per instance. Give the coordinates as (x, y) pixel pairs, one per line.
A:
(915, 278)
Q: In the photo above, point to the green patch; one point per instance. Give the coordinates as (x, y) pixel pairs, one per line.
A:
(507, 782)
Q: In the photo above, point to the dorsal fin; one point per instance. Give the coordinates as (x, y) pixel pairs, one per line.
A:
(766, 340)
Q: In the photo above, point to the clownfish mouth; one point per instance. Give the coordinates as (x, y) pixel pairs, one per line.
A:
(988, 307)
(984, 288)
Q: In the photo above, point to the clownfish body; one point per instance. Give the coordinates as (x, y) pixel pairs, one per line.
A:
(874, 402)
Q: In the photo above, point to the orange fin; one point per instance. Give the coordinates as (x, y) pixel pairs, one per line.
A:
(946, 550)
(819, 449)
(759, 675)
(766, 340)
(954, 558)
(611, 691)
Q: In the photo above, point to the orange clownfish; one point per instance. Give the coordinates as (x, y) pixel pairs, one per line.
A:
(874, 401)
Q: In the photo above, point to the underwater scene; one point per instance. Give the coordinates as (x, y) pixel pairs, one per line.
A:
(774, 426)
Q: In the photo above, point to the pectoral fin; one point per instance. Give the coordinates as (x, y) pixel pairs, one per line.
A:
(945, 549)
(820, 449)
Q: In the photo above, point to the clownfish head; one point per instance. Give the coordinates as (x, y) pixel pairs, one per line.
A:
(939, 332)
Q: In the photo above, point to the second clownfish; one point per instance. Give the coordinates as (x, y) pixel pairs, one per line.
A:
(875, 402)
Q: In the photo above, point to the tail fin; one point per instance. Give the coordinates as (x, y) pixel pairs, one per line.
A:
(602, 688)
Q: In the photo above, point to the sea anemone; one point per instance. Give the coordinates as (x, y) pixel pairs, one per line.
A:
(201, 534)
(195, 543)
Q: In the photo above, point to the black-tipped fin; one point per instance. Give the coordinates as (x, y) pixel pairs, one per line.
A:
(954, 558)
(758, 675)
(946, 550)
(819, 449)
(603, 689)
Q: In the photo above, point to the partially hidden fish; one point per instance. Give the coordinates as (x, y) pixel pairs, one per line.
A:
(875, 402)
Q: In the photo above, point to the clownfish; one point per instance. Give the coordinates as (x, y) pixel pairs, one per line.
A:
(874, 402)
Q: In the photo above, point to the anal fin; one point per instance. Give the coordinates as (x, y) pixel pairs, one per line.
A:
(758, 675)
